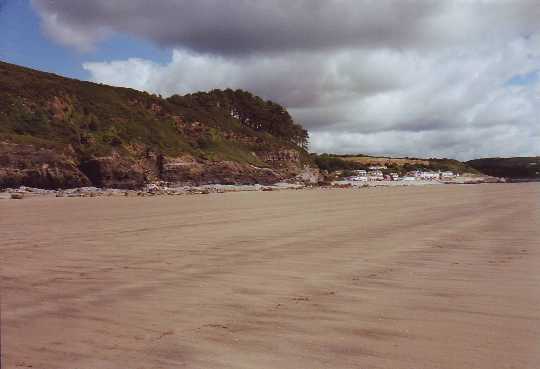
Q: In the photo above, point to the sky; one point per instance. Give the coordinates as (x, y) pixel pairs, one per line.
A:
(456, 79)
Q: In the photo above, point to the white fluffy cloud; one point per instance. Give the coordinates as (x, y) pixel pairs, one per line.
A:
(414, 79)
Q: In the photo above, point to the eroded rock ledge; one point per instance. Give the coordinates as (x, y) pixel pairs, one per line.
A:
(25, 165)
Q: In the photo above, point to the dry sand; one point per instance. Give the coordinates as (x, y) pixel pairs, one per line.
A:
(428, 277)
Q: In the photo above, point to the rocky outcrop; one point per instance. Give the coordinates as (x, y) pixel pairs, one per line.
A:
(190, 171)
(310, 175)
(43, 168)
(287, 162)
(281, 157)
(25, 165)
(114, 172)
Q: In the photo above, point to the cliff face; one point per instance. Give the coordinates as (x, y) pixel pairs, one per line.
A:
(38, 167)
(57, 132)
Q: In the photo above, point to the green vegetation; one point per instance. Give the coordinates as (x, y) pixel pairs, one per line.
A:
(333, 163)
(514, 168)
(50, 111)
(442, 165)
(252, 112)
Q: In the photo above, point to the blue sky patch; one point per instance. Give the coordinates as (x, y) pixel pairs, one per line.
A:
(23, 43)
(524, 79)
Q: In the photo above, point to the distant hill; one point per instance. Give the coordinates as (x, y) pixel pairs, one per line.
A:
(513, 168)
(57, 132)
(401, 165)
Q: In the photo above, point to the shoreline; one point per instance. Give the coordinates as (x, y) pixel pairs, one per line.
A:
(24, 192)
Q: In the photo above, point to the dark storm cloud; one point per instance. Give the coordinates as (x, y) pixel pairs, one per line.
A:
(246, 26)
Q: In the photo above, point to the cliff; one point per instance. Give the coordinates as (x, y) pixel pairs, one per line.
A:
(57, 132)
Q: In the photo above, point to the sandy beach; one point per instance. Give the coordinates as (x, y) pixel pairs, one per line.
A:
(436, 277)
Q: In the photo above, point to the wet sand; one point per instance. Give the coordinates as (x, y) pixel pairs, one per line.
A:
(428, 277)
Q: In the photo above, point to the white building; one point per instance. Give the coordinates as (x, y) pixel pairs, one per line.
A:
(375, 175)
(429, 175)
(447, 174)
(359, 179)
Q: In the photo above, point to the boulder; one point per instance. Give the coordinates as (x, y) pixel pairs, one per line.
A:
(310, 175)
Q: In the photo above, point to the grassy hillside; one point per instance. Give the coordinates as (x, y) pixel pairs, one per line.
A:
(401, 165)
(47, 110)
(515, 168)
(84, 121)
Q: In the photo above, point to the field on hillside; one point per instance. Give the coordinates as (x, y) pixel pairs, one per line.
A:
(371, 160)
(332, 162)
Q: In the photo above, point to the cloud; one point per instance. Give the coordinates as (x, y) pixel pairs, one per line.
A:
(248, 26)
(244, 26)
(281, 78)
(463, 144)
(404, 78)
(77, 33)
